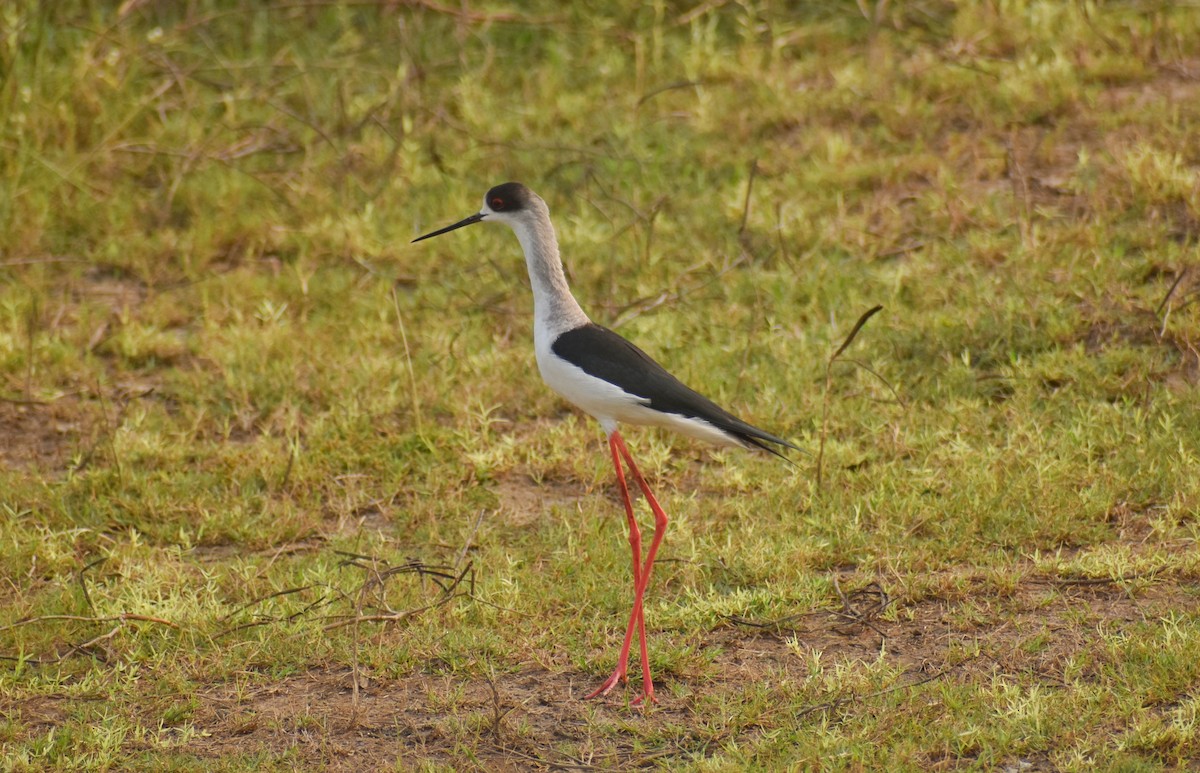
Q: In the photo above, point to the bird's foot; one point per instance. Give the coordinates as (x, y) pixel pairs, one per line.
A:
(611, 682)
(646, 698)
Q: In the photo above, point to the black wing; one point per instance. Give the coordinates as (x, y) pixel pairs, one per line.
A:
(602, 353)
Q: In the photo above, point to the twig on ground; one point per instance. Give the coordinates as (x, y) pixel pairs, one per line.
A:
(498, 712)
(123, 617)
(120, 620)
(267, 597)
(863, 617)
(779, 625)
(849, 612)
(445, 577)
(17, 401)
(30, 336)
(110, 429)
(1090, 580)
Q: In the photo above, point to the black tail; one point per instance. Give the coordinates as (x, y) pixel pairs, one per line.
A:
(753, 437)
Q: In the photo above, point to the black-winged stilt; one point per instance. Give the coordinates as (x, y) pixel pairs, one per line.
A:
(611, 379)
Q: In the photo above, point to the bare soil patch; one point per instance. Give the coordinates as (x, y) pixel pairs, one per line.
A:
(45, 435)
(524, 500)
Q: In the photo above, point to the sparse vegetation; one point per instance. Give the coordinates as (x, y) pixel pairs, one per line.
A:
(279, 491)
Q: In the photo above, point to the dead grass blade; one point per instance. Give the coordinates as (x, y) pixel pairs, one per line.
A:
(829, 383)
(268, 620)
(1159, 312)
(746, 202)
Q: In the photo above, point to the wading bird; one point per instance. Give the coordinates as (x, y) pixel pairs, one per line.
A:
(611, 379)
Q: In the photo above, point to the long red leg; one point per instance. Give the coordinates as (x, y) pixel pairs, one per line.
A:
(635, 544)
(660, 528)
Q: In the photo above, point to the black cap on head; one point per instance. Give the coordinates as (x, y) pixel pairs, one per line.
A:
(509, 197)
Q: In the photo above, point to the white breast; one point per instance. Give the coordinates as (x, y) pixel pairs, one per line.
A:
(608, 403)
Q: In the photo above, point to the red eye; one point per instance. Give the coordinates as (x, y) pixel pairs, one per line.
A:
(497, 203)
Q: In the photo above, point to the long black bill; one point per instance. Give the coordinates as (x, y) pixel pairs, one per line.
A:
(468, 221)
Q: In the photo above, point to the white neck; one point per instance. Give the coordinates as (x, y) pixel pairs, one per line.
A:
(555, 310)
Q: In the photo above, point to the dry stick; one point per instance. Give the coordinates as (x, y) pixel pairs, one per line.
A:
(847, 612)
(621, 758)
(124, 616)
(33, 660)
(448, 592)
(325, 598)
(106, 436)
(1091, 580)
(896, 252)
(498, 715)
(863, 618)
(743, 242)
(390, 617)
(1109, 41)
(412, 376)
(846, 607)
(829, 385)
(120, 620)
(266, 597)
(15, 401)
(779, 625)
(556, 765)
(700, 10)
(655, 209)
(40, 261)
(92, 642)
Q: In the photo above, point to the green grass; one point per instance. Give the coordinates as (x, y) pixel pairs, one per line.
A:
(232, 394)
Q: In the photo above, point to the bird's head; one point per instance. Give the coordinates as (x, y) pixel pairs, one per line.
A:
(510, 203)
